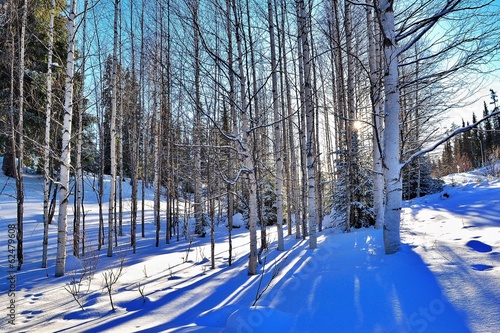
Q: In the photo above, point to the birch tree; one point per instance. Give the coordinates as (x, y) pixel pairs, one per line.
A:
(349, 122)
(374, 63)
(461, 54)
(112, 131)
(79, 218)
(66, 151)
(46, 151)
(135, 138)
(20, 140)
(197, 128)
(277, 129)
(310, 152)
(293, 176)
(245, 147)
(141, 106)
(231, 125)
(157, 120)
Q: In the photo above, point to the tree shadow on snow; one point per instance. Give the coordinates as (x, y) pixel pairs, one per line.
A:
(350, 285)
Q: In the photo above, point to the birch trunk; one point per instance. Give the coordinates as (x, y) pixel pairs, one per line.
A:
(9, 167)
(349, 122)
(277, 131)
(392, 175)
(339, 74)
(46, 151)
(171, 186)
(245, 151)
(66, 151)
(284, 131)
(376, 100)
(112, 131)
(232, 119)
(102, 144)
(18, 131)
(294, 195)
(135, 139)
(20, 142)
(119, 134)
(258, 143)
(157, 124)
(156, 176)
(306, 63)
(78, 218)
(198, 208)
(301, 122)
(120, 159)
(101, 139)
(142, 107)
(318, 188)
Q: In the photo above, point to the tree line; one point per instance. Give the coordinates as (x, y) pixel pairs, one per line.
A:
(285, 111)
(477, 148)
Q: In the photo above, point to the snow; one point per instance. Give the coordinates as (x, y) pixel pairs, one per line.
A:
(445, 279)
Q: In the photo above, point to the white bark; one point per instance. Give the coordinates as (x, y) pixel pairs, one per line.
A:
(20, 142)
(78, 220)
(66, 151)
(246, 152)
(156, 177)
(232, 116)
(311, 197)
(157, 127)
(135, 140)
(301, 123)
(197, 129)
(112, 131)
(293, 176)
(349, 123)
(277, 132)
(376, 99)
(46, 151)
(392, 171)
(142, 130)
(411, 34)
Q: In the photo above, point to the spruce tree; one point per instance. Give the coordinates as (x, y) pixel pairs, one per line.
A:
(487, 131)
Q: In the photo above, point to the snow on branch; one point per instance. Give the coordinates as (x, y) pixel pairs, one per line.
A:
(448, 137)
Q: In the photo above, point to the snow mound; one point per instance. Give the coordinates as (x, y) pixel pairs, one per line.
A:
(73, 263)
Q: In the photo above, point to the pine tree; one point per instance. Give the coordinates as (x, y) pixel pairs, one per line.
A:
(487, 131)
(495, 120)
(428, 185)
(447, 159)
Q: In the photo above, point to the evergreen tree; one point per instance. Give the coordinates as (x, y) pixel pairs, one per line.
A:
(487, 132)
(495, 120)
(423, 183)
(37, 40)
(447, 159)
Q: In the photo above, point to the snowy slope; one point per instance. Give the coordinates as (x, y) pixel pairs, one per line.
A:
(459, 239)
(445, 279)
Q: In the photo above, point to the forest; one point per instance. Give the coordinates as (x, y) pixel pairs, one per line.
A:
(301, 114)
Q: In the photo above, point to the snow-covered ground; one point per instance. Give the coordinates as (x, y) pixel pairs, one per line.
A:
(446, 278)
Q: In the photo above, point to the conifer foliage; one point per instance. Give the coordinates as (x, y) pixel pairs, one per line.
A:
(477, 148)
